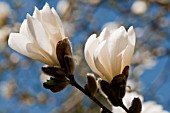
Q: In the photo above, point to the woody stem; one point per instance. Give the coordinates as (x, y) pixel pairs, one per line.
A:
(75, 84)
(124, 107)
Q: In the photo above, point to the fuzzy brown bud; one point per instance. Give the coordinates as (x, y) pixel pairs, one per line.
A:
(115, 90)
(64, 55)
(136, 106)
(53, 71)
(69, 63)
(56, 85)
(91, 84)
(63, 48)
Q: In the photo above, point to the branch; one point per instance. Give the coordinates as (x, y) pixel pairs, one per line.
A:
(75, 84)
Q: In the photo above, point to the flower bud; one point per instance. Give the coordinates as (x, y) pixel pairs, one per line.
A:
(105, 87)
(115, 91)
(54, 71)
(64, 54)
(91, 84)
(110, 94)
(69, 63)
(63, 48)
(136, 106)
(126, 71)
(56, 85)
(118, 84)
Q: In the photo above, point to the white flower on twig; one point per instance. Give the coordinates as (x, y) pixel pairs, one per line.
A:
(39, 35)
(109, 53)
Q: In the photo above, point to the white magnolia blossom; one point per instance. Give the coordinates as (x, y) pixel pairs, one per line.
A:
(147, 107)
(110, 52)
(39, 35)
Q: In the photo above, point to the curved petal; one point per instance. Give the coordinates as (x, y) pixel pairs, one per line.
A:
(47, 15)
(25, 31)
(104, 35)
(38, 32)
(128, 52)
(131, 36)
(49, 19)
(58, 21)
(50, 29)
(23, 28)
(117, 43)
(102, 60)
(52, 24)
(37, 14)
(44, 57)
(19, 42)
(89, 49)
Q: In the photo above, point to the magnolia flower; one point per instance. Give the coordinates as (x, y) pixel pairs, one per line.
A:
(109, 53)
(39, 35)
(147, 107)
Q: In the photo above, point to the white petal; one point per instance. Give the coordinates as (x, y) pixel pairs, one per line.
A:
(50, 28)
(89, 49)
(15, 39)
(23, 28)
(117, 43)
(48, 18)
(39, 34)
(25, 31)
(52, 25)
(58, 21)
(102, 60)
(19, 42)
(128, 52)
(104, 35)
(37, 14)
(44, 57)
(131, 36)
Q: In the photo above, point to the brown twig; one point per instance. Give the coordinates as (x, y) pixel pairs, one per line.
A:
(75, 84)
